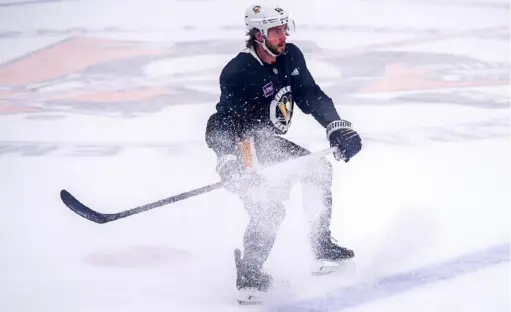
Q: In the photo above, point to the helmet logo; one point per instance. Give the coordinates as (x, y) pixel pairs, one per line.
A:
(256, 9)
(279, 10)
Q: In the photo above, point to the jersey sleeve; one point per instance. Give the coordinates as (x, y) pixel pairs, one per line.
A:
(224, 127)
(308, 95)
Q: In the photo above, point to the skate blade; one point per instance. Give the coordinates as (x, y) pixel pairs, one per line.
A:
(250, 297)
(276, 292)
(324, 267)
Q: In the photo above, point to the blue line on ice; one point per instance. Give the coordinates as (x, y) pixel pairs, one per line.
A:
(349, 297)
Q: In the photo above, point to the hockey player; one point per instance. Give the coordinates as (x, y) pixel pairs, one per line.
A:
(259, 88)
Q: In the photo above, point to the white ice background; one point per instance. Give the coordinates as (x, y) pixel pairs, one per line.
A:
(401, 207)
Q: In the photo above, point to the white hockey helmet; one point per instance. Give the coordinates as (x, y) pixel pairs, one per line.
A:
(264, 18)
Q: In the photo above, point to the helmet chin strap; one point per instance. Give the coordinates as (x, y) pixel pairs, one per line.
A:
(263, 44)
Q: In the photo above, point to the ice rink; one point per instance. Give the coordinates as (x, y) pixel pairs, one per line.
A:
(109, 100)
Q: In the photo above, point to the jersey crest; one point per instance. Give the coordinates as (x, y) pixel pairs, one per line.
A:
(281, 109)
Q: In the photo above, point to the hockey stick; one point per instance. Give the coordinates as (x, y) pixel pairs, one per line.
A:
(89, 214)
(75, 205)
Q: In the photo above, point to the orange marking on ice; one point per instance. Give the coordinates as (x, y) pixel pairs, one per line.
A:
(117, 96)
(400, 77)
(67, 57)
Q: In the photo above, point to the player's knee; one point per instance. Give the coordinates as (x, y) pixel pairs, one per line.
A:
(269, 215)
(326, 165)
(322, 173)
(278, 212)
(273, 213)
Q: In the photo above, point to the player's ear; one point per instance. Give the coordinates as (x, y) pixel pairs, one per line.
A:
(259, 36)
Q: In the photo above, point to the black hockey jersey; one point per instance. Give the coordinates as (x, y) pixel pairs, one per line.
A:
(256, 96)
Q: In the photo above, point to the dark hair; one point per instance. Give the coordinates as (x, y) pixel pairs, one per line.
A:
(250, 43)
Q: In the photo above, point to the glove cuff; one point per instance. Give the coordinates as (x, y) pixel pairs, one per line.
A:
(336, 125)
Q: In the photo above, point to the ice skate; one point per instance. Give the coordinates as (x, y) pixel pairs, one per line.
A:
(331, 257)
(251, 282)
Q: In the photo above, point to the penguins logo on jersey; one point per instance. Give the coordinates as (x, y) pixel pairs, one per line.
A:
(281, 109)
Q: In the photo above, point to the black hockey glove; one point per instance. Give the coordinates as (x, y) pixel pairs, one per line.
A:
(236, 179)
(347, 140)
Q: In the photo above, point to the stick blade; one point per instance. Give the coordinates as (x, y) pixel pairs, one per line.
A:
(72, 203)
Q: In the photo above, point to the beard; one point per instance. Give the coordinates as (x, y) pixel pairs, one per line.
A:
(274, 49)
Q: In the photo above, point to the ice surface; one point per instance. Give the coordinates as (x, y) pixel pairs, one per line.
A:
(425, 205)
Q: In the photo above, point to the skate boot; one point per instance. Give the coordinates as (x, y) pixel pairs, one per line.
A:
(251, 282)
(330, 256)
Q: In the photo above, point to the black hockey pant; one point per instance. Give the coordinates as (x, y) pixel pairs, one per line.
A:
(266, 217)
